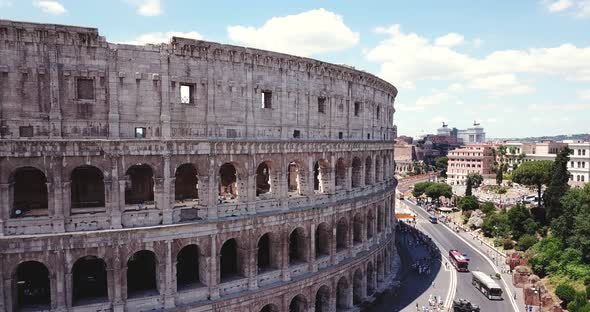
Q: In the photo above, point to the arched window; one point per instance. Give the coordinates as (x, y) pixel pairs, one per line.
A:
(370, 221)
(228, 262)
(87, 187)
(139, 188)
(378, 171)
(269, 308)
(340, 174)
(322, 299)
(385, 167)
(262, 179)
(380, 219)
(228, 182)
(322, 240)
(29, 193)
(32, 286)
(357, 229)
(298, 304)
(89, 276)
(186, 183)
(297, 246)
(293, 177)
(368, 168)
(321, 177)
(370, 279)
(357, 287)
(342, 294)
(356, 172)
(187, 267)
(342, 234)
(264, 253)
(141, 274)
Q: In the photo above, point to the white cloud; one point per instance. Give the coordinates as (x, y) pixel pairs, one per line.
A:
(455, 87)
(163, 37)
(305, 34)
(554, 108)
(584, 94)
(449, 40)
(491, 120)
(147, 7)
(5, 3)
(406, 58)
(577, 8)
(477, 42)
(51, 7)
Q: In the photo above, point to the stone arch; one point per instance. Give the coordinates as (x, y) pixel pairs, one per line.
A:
(343, 294)
(357, 229)
(270, 308)
(321, 175)
(356, 172)
(322, 299)
(385, 167)
(229, 262)
(296, 177)
(370, 279)
(89, 280)
(29, 193)
(368, 168)
(32, 286)
(380, 268)
(188, 267)
(142, 274)
(323, 240)
(268, 254)
(357, 287)
(297, 246)
(340, 170)
(298, 304)
(342, 234)
(139, 186)
(186, 182)
(370, 223)
(378, 170)
(87, 189)
(228, 182)
(263, 178)
(380, 218)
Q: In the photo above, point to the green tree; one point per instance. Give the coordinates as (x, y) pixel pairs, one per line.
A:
(573, 225)
(565, 292)
(473, 180)
(441, 163)
(519, 219)
(525, 242)
(436, 190)
(533, 174)
(467, 203)
(488, 208)
(558, 184)
(420, 188)
(496, 225)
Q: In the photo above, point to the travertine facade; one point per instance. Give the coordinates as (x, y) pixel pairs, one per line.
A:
(188, 176)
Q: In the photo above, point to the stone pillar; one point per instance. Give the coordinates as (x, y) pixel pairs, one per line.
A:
(69, 289)
(5, 289)
(214, 270)
(55, 118)
(169, 285)
(250, 263)
(67, 198)
(333, 251)
(166, 197)
(159, 194)
(118, 286)
(282, 192)
(284, 264)
(348, 185)
(313, 266)
(58, 291)
(114, 80)
(164, 95)
(5, 206)
(54, 205)
(250, 192)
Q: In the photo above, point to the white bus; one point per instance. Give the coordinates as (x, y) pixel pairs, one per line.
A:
(486, 285)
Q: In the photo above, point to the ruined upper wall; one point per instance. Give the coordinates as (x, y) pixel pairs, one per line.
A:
(68, 82)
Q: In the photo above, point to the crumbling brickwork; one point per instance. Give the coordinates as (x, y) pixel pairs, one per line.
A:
(191, 175)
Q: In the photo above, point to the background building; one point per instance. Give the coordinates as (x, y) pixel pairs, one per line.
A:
(476, 158)
(472, 135)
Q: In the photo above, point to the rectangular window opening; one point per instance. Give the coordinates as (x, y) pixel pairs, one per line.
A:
(25, 131)
(140, 132)
(322, 105)
(187, 92)
(266, 99)
(296, 134)
(357, 108)
(340, 135)
(85, 88)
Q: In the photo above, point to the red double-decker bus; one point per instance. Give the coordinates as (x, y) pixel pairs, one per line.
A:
(458, 260)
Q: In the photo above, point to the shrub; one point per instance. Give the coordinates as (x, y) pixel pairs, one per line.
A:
(488, 208)
(468, 203)
(588, 291)
(566, 293)
(507, 244)
(578, 303)
(497, 242)
(525, 242)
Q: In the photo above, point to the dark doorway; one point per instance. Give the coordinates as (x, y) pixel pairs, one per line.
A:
(87, 187)
(186, 183)
(32, 283)
(228, 261)
(187, 267)
(30, 193)
(89, 276)
(141, 274)
(140, 186)
(264, 262)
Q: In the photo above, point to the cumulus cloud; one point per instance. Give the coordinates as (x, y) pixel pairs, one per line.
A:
(163, 37)
(305, 34)
(51, 7)
(449, 40)
(406, 58)
(577, 8)
(147, 7)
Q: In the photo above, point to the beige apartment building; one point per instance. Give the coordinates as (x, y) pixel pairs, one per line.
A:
(475, 158)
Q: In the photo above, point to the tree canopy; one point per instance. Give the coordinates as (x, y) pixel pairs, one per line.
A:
(436, 190)
(441, 163)
(474, 180)
(534, 174)
(558, 184)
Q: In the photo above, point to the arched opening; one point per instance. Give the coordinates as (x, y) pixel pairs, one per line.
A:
(89, 276)
(187, 267)
(141, 274)
(342, 294)
(370, 222)
(380, 269)
(380, 219)
(228, 260)
(262, 179)
(297, 246)
(357, 229)
(228, 182)
(32, 286)
(269, 308)
(293, 178)
(357, 287)
(378, 171)
(356, 172)
(186, 183)
(341, 234)
(322, 299)
(298, 304)
(340, 174)
(378, 112)
(368, 168)
(385, 167)
(264, 253)
(139, 186)
(87, 187)
(29, 193)
(321, 178)
(322, 240)
(370, 279)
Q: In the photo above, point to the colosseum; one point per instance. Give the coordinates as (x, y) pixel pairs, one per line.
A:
(189, 176)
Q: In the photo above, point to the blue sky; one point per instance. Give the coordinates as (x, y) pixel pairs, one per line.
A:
(521, 68)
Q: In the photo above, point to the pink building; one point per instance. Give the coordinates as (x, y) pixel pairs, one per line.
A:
(475, 158)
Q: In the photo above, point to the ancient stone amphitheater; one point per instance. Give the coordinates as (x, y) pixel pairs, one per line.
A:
(189, 176)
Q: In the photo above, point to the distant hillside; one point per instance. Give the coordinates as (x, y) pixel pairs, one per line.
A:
(561, 137)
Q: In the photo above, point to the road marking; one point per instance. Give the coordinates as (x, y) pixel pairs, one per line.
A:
(510, 296)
